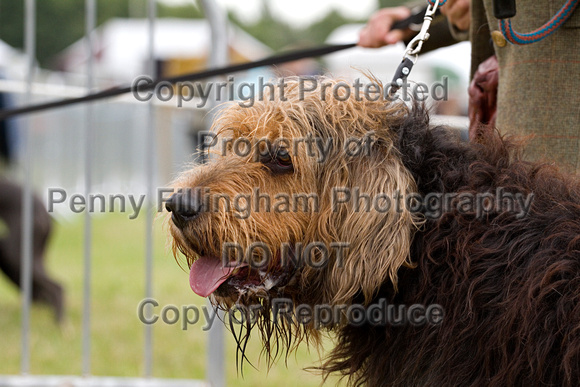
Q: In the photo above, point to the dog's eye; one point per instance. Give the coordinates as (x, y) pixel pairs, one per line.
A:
(283, 158)
(280, 163)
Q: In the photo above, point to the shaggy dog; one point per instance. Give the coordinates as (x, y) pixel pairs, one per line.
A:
(44, 289)
(499, 256)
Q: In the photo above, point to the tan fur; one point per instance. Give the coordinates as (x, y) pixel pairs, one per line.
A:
(499, 279)
(379, 242)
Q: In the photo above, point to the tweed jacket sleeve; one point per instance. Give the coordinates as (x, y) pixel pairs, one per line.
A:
(539, 83)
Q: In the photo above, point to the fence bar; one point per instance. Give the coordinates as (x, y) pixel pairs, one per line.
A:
(150, 160)
(90, 21)
(219, 56)
(26, 247)
(93, 381)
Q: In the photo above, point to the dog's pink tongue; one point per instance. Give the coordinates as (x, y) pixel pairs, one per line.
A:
(207, 274)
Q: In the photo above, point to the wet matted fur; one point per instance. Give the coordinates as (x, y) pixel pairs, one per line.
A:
(509, 284)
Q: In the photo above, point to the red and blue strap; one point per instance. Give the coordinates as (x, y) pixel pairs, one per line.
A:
(550, 27)
(432, 2)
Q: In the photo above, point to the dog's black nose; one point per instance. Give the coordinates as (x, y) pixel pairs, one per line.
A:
(184, 207)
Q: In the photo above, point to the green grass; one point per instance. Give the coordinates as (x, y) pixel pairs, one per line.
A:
(117, 334)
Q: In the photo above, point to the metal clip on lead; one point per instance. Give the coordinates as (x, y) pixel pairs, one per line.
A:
(413, 49)
(415, 45)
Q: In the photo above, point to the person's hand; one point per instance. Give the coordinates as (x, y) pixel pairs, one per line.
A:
(458, 13)
(378, 33)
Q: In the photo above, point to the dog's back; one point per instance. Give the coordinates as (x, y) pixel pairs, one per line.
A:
(507, 275)
(494, 243)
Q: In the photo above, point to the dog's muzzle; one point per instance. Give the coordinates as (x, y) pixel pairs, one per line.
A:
(184, 207)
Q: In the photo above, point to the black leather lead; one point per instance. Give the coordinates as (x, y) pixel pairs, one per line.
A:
(415, 18)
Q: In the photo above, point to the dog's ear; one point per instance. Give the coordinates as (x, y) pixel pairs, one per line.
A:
(363, 206)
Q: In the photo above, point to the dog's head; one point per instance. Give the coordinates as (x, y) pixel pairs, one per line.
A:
(303, 198)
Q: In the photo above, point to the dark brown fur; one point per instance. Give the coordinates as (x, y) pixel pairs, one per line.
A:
(510, 287)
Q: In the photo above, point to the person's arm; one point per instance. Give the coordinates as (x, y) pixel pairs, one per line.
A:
(440, 33)
(378, 33)
(458, 14)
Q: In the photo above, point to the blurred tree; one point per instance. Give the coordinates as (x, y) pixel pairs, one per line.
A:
(11, 22)
(189, 11)
(391, 3)
(319, 31)
(59, 23)
(275, 34)
(278, 35)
